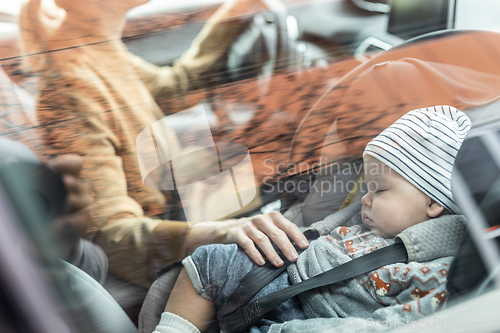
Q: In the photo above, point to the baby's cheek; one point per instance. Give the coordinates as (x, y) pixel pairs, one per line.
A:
(392, 224)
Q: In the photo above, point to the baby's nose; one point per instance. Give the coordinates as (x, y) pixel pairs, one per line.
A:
(366, 200)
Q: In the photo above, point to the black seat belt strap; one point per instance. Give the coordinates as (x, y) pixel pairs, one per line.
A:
(244, 317)
(253, 282)
(248, 287)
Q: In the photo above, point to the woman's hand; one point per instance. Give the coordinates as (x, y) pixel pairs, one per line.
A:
(261, 230)
(248, 232)
(69, 228)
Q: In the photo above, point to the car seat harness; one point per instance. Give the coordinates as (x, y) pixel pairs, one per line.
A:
(239, 314)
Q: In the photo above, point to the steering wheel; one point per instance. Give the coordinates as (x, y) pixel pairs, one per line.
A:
(263, 46)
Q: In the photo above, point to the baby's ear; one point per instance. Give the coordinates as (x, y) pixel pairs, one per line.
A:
(434, 208)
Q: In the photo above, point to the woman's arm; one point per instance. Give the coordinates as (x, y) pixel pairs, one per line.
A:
(76, 118)
(200, 66)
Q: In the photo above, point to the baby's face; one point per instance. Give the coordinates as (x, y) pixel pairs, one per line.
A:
(392, 204)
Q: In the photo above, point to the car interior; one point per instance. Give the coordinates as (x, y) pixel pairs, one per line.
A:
(435, 42)
(340, 49)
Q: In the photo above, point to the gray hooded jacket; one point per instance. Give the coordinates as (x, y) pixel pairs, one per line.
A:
(389, 297)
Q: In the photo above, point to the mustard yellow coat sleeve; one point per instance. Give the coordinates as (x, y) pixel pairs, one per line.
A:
(200, 67)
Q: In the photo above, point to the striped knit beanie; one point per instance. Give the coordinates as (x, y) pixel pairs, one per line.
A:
(422, 146)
